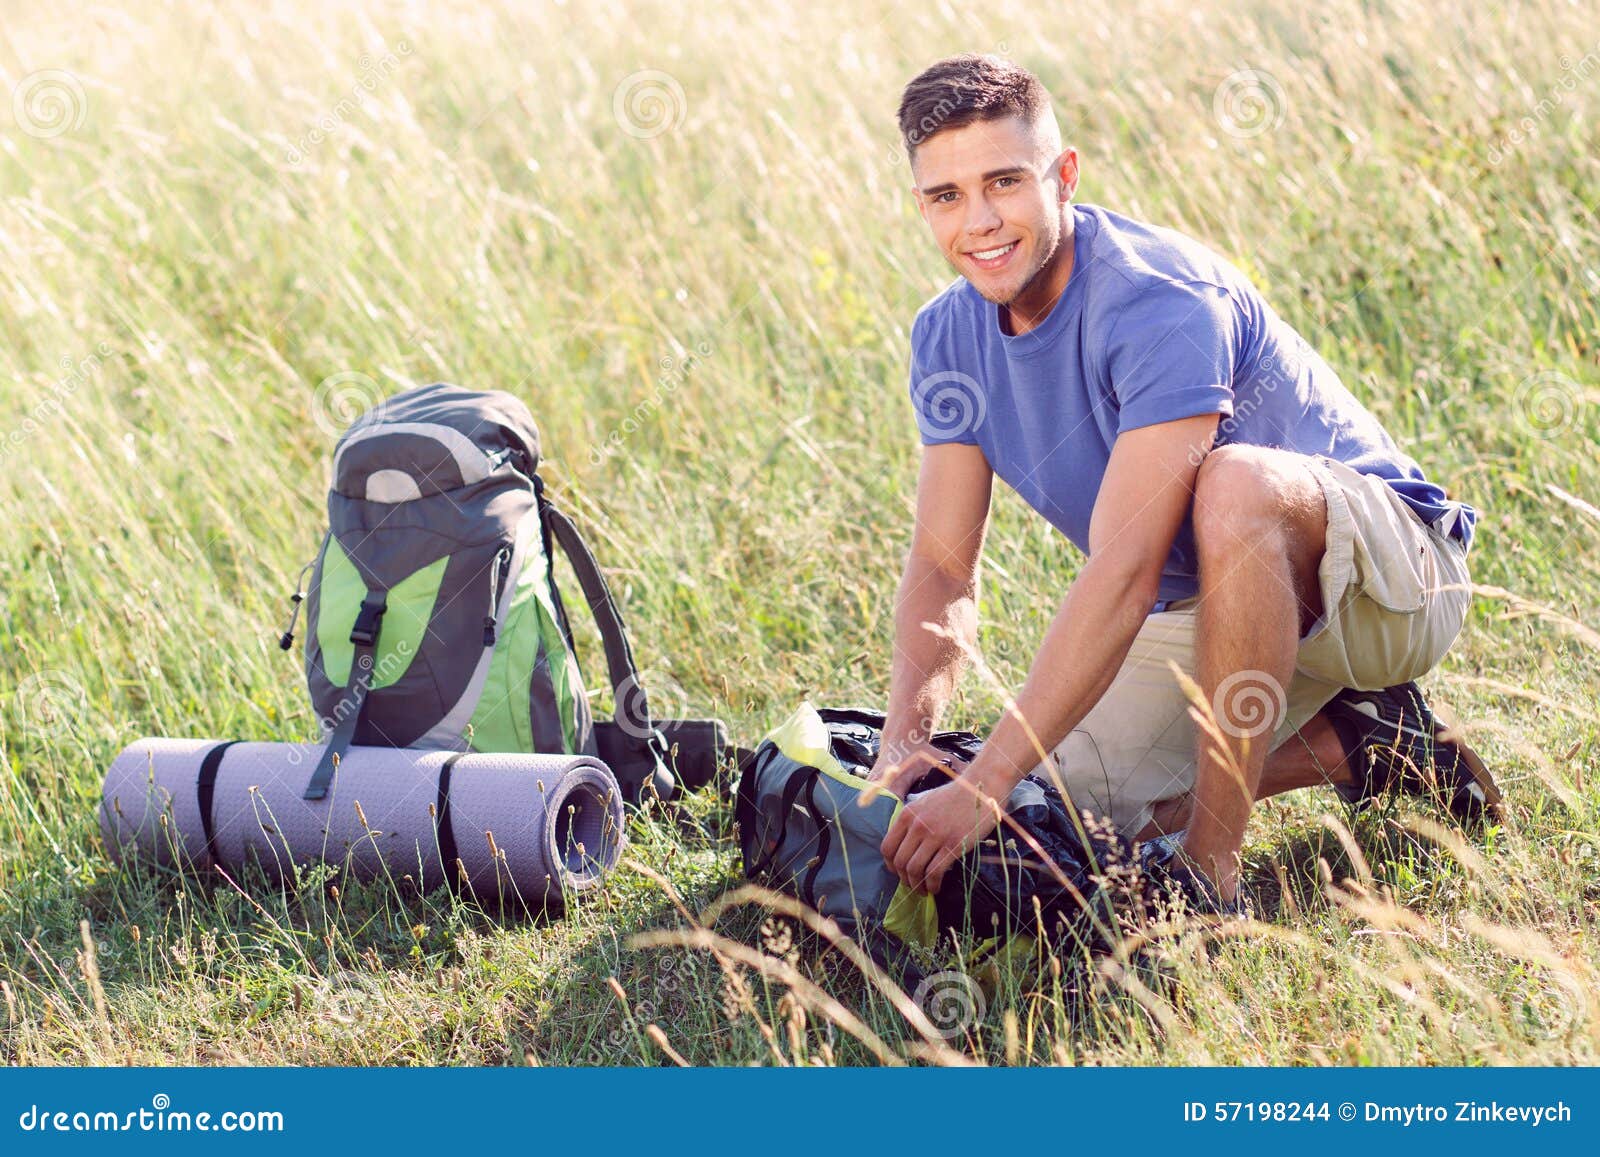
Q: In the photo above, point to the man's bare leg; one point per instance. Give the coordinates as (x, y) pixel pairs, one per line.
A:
(1260, 523)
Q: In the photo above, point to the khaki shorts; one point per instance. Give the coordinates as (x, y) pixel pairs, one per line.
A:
(1395, 595)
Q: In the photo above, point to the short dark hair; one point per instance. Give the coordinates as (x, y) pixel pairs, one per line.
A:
(961, 90)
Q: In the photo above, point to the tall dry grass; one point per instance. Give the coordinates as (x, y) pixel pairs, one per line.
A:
(684, 236)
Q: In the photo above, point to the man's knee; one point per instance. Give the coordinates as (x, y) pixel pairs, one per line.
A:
(1259, 502)
(1240, 493)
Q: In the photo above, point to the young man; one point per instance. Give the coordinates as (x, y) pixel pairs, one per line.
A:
(1245, 518)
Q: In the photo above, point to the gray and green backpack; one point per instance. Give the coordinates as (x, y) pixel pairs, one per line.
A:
(433, 616)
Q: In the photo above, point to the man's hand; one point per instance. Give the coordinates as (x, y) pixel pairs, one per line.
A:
(934, 830)
(899, 765)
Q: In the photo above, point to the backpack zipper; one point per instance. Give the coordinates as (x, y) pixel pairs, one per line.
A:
(501, 556)
(517, 459)
(287, 639)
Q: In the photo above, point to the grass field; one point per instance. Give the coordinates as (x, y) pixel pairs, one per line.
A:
(685, 238)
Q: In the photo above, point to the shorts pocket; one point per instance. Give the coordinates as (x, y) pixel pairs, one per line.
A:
(1390, 547)
(1397, 580)
(1376, 581)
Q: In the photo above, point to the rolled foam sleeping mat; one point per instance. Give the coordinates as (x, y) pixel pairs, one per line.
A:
(540, 828)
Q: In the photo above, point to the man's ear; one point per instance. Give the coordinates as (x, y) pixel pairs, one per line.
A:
(922, 204)
(1066, 171)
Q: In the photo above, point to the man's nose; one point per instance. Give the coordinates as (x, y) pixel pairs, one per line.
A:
(982, 218)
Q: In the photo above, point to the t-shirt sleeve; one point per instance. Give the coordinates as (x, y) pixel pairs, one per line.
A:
(949, 403)
(1171, 355)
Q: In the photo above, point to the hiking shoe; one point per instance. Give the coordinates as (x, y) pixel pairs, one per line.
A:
(1396, 743)
(1162, 861)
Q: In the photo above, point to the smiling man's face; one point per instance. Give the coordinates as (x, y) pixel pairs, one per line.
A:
(994, 193)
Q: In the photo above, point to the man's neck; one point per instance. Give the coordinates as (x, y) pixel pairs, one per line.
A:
(1028, 310)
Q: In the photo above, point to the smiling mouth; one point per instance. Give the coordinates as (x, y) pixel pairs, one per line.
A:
(992, 258)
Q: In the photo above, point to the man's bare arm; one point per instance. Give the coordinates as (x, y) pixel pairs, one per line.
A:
(939, 586)
(1147, 490)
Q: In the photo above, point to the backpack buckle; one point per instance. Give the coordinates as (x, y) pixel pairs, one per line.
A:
(365, 631)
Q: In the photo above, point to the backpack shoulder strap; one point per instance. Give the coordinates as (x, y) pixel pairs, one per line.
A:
(632, 746)
(632, 703)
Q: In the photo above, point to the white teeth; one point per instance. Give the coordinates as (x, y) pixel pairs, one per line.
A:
(991, 254)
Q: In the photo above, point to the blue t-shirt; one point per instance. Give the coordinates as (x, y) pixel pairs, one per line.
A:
(1152, 327)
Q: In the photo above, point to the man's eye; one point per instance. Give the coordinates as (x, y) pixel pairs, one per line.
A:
(1006, 182)
(945, 198)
